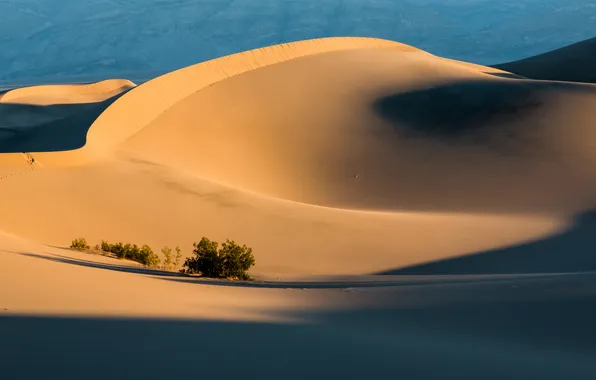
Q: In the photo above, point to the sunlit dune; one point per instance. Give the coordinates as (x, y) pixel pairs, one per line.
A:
(414, 204)
(400, 147)
(67, 94)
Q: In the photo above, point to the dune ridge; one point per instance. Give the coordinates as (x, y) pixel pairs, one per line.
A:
(67, 93)
(103, 136)
(572, 63)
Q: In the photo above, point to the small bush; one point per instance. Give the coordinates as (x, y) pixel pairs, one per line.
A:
(230, 261)
(143, 255)
(105, 246)
(178, 257)
(80, 244)
(167, 253)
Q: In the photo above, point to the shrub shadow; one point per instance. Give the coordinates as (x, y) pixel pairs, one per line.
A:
(93, 264)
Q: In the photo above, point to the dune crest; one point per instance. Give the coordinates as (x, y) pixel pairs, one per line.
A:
(135, 109)
(67, 93)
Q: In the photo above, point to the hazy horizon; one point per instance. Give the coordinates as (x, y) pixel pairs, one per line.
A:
(94, 39)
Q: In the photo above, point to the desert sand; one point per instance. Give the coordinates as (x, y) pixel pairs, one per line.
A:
(410, 215)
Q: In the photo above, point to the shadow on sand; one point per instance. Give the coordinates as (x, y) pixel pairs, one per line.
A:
(349, 283)
(33, 128)
(93, 264)
(506, 75)
(571, 251)
(519, 327)
(540, 331)
(474, 108)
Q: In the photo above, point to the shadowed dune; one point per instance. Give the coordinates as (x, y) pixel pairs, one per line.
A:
(573, 63)
(569, 251)
(53, 118)
(47, 128)
(517, 330)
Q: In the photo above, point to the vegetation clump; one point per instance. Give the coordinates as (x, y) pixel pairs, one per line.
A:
(80, 244)
(143, 255)
(230, 261)
(171, 261)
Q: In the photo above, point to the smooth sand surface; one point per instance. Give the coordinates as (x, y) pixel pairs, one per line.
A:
(65, 315)
(409, 214)
(573, 63)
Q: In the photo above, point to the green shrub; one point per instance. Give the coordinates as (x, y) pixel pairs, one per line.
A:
(143, 255)
(80, 244)
(105, 246)
(148, 258)
(230, 261)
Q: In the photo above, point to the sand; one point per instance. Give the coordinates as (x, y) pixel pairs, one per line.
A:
(67, 94)
(417, 215)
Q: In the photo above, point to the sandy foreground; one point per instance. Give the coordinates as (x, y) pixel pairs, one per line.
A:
(410, 215)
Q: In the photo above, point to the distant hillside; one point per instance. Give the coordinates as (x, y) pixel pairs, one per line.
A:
(573, 63)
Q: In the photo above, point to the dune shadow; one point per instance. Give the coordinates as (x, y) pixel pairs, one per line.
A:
(51, 128)
(469, 109)
(506, 75)
(478, 336)
(573, 250)
(380, 281)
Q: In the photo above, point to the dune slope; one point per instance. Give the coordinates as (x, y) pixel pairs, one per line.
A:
(573, 63)
(386, 130)
(113, 317)
(331, 156)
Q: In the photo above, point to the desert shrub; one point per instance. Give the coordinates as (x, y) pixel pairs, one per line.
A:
(178, 257)
(105, 246)
(148, 258)
(167, 253)
(230, 261)
(236, 260)
(80, 244)
(143, 255)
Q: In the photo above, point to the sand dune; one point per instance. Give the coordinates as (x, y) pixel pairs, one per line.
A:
(573, 63)
(410, 215)
(334, 121)
(372, 143)
(52, 118)
(67, 94)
